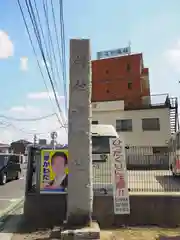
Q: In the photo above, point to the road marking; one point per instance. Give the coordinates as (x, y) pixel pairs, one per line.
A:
(6, 236)
(9, 199)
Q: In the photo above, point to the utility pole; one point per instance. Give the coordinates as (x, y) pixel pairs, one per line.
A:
(80, 189)
(35, 139)
(53, 139)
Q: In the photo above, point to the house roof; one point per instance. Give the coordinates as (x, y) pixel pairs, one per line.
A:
(4, 145)
(22, 141)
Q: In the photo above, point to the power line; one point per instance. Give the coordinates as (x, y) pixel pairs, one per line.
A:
(27, 119)
(39, 66)
(36, 30)
(6, 125)
(40, 33)
(62, 59)
(30, 133)
(63, 47)
(58, 40)
(37, 133)
(51, 48)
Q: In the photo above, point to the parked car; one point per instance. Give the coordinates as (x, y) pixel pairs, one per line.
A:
(10, 167)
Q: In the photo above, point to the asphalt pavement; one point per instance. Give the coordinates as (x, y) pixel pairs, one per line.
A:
(12, 192)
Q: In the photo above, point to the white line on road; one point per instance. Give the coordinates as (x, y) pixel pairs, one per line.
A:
(9, 199)
(6, 236)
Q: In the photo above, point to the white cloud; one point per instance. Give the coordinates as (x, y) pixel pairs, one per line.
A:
(24, 63)
(28, 110)
(43, 95)
(26, 129)
(173, 56)
(17, 109)
(6, 46)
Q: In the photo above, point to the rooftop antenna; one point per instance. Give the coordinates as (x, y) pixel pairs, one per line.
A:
(35, 139)
(129, 46)
(53, 139)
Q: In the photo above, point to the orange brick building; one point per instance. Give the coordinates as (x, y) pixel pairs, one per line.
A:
(121, 78)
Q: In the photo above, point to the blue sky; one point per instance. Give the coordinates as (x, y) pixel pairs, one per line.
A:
(152, 27)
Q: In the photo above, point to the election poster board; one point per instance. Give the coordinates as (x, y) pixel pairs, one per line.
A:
(120, 177)
(54, 171)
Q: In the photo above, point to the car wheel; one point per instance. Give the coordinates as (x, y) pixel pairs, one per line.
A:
(3, 179)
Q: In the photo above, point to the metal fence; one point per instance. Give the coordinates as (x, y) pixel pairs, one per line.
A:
(147, 172)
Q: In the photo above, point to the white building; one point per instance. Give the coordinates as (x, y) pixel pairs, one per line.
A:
(148, 126)
(4, 148)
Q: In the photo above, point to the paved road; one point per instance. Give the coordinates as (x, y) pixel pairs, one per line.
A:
(11, 192)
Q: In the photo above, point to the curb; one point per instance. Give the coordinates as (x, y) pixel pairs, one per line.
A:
(4, 215)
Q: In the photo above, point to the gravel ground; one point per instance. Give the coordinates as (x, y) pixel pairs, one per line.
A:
(119, 234)
(39, 235)
(28, 231)
(144, 234)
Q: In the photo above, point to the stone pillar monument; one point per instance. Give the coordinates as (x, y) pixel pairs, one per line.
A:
(80, 189)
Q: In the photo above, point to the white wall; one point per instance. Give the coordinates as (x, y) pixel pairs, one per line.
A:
(137, 137)
(4, 150)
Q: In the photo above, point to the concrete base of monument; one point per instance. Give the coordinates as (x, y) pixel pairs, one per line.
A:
(89, 232)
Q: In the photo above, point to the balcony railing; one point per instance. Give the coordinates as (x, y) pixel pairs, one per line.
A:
(152, 101)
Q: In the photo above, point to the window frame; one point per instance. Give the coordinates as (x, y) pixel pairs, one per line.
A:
(130, 88)
(121, 126)
(95, 122)
(152, 128)
(178, 141)
(128, 67)
(104, 139)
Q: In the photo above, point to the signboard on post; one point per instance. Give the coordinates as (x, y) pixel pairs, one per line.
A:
(114, 53)
(120, 178)
(54, 171)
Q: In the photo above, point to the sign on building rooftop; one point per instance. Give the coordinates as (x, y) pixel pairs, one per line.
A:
(114, 53)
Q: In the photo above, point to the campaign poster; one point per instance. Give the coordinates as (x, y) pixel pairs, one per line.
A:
(54, 171)
(120, 181)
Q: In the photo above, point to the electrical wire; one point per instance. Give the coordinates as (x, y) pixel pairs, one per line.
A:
(63, 47)
(38, 63)
(51, 47)
(33, 133)
(5, 125)
(62, 61)
(27, 119)
(36, 30)
(58, 40)
(40, 33)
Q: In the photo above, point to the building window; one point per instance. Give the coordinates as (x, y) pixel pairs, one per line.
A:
(150, 124)
(94, 122)
(128, 68)
(160, 150)
(178, 141)
(129, 85)
(124, 125)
